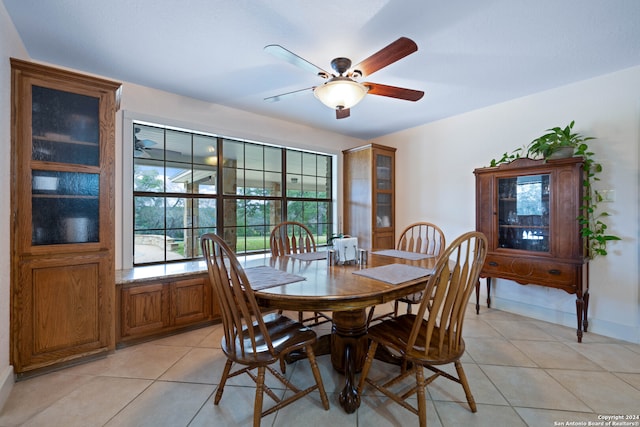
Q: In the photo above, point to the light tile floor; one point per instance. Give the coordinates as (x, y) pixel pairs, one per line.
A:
(522, 372)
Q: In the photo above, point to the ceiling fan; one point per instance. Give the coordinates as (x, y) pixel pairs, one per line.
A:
(143, 148)
(342, 91)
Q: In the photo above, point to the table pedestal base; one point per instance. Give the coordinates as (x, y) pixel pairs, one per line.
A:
(348, 345)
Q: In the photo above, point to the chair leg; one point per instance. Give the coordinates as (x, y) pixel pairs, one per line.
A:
(370, 316)
(223, 381)
(395, 308)
(465, 385)
(367, 365)
(409, 308)
(316, 374)
(422, 402)
(257, 407)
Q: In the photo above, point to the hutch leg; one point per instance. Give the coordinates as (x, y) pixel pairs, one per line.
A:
(585, 322)
(478, 294)
(580, 311)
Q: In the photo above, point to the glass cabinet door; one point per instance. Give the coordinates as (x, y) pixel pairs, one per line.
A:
(383, 188)
(65, 141)
(523, 212)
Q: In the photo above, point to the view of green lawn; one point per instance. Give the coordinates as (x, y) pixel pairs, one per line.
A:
(253, 244)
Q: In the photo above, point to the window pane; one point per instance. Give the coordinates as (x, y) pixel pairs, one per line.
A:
(294, 185)
(205, 179)
(254, 183)
(149, 246)
(148, 142)
(233, 152)
(178, 146)
(178, 178)
(324, 189)
(309, 164)
(179, 244)
(324, 166)
(176, 213)
(205, 214)
(294, 162)
(233, 181)
(273, 183)
(309, 186)
(204, 150)
(310, 212)
(148, 176)
(149, 213)
(273, 159)
(254, 156)
(294, 211)
(273, 212)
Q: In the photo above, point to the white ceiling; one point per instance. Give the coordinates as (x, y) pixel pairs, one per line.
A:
(471, 53)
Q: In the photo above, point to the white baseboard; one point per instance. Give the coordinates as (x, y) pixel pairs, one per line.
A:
(597, 326)
(6, 384)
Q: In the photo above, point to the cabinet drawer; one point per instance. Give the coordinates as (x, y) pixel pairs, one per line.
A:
(533, 271)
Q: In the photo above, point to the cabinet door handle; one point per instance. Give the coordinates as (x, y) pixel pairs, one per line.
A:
(493, 264)
(555, 272)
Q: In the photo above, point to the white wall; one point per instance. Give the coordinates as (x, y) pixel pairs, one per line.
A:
(10, 46)
(440, 157)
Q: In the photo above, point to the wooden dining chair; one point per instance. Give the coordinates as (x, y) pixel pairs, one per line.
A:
(434, 340)
(291, 237)
(251, 340)
(420, 237)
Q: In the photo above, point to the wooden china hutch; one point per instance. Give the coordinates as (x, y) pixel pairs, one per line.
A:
(369, 195)
(62, 216)
(528, 210)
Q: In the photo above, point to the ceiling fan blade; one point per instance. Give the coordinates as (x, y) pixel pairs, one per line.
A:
(386, 56)
(285, 54)
(142, 154)
(288, 94)
(343, 113)
(394, 92)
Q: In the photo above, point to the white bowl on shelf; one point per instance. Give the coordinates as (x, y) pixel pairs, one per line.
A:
(45, 183)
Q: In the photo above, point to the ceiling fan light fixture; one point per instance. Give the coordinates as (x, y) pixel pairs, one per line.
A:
(340, 92)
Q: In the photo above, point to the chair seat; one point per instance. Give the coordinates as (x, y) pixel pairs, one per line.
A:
(286, 335)
(394, 333)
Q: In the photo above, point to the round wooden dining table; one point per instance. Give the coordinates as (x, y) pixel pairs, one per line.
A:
(342, 290)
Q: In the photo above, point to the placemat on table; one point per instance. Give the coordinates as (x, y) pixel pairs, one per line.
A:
(403, 254)
(264, 277)
(309, 256)
(395, 273)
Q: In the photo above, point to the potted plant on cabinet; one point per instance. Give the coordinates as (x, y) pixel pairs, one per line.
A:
(560, 143)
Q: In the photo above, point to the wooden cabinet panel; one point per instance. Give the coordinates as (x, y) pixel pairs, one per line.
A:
(190, 301)
(62, 216)
(369, 195)
(63, 310)
(144, 309)
(155, 308)
(528, 210)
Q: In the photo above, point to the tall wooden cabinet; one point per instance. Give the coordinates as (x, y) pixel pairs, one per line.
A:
(528, 210)
(369, 195)
(62, 216)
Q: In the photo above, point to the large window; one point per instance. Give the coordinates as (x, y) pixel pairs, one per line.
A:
(187, 184)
